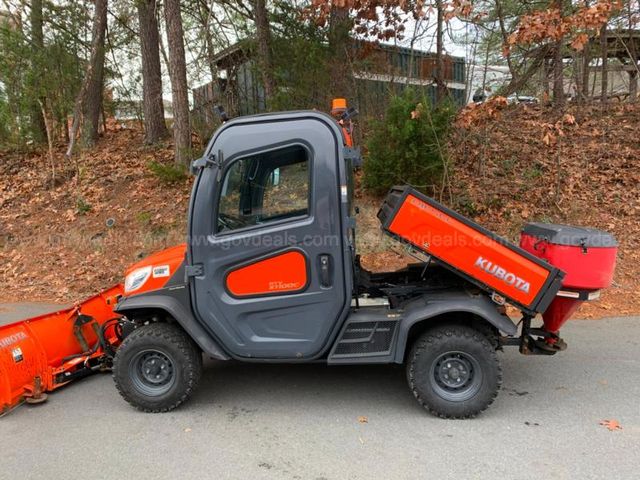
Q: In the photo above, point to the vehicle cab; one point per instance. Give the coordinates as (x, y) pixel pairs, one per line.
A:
(269, 225)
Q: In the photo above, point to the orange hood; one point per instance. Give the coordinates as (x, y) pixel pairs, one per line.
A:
(158, 268)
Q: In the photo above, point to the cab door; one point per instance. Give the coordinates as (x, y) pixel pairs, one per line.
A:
(266, 228)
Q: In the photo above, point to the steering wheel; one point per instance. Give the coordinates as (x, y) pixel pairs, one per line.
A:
(229, 222)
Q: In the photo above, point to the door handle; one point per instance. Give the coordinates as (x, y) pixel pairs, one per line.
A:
(324, 261)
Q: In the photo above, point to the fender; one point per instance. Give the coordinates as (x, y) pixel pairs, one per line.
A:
(174, 301)
(425, 308)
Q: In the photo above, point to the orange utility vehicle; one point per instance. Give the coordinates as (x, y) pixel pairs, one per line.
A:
(270, 274)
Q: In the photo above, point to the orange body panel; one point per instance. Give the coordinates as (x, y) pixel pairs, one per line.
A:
(283, 273)
(164, 264)
(465, 248)
(34, 353)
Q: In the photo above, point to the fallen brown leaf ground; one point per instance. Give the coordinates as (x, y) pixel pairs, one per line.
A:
(55, 244)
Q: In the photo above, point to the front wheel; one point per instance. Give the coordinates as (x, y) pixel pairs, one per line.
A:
(454, 371)
(157, 367)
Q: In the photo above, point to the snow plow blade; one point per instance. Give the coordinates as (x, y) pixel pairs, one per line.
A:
(43, 353)
(471, 251)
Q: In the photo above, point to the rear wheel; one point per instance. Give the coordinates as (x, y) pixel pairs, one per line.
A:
(157, 367)
(454, 371)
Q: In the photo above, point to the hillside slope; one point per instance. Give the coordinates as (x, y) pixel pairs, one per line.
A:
(580, 167)
(523, 164)
(526, 164)
(55, 243)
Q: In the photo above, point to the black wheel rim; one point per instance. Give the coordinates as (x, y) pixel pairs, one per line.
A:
(152, 372)
(456, 376)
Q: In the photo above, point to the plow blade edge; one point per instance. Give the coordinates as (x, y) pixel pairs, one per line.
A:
(43, 353)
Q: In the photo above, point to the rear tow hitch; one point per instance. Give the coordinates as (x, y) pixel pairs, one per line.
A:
(535, 341)
(538, 341)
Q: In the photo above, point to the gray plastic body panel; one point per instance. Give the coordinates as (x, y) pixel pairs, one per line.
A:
(422, 309)
(175, 302)
(434, 305)
(367, 315)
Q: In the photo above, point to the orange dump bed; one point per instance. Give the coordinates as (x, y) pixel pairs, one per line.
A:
(470, 250)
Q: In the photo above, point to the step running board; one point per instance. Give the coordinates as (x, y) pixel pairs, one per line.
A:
(368, 336)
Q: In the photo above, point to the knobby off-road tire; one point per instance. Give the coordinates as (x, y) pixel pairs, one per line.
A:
(454, 371)
(157, 367)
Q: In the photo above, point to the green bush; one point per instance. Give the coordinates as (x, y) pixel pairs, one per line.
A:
(408, 145)
(168, 173)
(82, 207)
(5, 118)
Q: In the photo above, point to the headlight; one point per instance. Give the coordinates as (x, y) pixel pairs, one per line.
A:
(136, 279)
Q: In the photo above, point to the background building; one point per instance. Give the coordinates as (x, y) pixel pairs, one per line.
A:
(377, 70)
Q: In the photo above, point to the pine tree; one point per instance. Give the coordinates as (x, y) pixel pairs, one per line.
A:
(155, 128)
(178, 76)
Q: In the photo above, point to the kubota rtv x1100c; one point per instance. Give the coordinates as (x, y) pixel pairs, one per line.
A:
(270, 274)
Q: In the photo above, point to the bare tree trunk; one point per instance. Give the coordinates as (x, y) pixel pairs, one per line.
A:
(576, 75)
(558, 66)
(583, 93)
(441, 88)
(505, 38)
(38, 127)
(633, 53)
(412, 53)
(86, 115)
(178, 76)
(93, 102)
(339, 27)
(49, 141)
(154, 127)
(546, 67)
(486, 67)
(265, 61)
(75, 125)
(633, 87)
(604, 85)
(558, 75)
(205, 15)
(586, 73)
(65, 126)
(534, 65)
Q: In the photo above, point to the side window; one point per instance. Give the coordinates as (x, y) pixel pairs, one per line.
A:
(269, 186)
